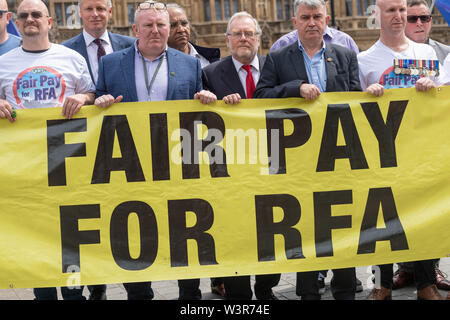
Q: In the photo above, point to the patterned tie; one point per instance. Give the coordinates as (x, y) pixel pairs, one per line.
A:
(101, 50)
(249, 82)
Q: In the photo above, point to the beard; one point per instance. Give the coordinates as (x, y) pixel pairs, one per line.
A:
(31, 32)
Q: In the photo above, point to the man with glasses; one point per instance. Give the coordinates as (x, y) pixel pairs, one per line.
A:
(151, 71)
(95, 40)
(41, 74)
(180, 36)
(7, 40)
(418, 27)
(232, 79)
(395, 61)
(305, 69)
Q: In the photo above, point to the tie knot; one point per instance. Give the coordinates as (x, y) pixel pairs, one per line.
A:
(98, 42)
(247, 68)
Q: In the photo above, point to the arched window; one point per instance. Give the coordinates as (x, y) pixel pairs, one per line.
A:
(220, 10)
(66, 13)
(285, 9)
(361, 7)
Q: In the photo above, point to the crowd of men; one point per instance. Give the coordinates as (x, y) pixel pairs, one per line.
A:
(161, 63)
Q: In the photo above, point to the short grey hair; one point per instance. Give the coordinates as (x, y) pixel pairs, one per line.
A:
(138, 11)
(176, 6)
(242, 14)
(314, 4)
(109, 3)
(413, 3)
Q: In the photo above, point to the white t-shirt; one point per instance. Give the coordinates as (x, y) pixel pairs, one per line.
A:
(445, 78)
(376, 65)
(44, 79)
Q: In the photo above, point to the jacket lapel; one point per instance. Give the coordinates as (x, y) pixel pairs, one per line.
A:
(330, 63)
(171, 72)
(231, 78)
(80, 47)
(296, 57)
(127, 64)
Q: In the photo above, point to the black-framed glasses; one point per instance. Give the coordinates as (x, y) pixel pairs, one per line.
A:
(34, 15)
(152, 5)
(2, 12)
(423, 18)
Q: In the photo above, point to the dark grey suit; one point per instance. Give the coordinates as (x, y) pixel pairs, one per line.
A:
(281, 77)
(222, 79)
(284, 71)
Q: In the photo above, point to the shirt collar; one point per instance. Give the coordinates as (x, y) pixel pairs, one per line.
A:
(328, 33)
(238, 65)
(192, 51)
(89, 39)
(139, 53)
(302, 49)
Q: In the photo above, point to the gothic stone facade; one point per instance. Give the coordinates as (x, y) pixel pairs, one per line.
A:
(209, 19)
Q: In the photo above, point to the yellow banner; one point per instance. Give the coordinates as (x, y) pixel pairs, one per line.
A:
(174, 190)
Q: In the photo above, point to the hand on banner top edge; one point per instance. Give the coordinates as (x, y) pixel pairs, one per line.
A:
(107, 100)
(205, 97)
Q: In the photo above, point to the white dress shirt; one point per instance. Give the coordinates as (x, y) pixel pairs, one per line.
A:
(243, 74)
(194, 53)
(92, 48)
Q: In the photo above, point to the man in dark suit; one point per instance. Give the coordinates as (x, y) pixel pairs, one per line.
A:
(232, 79)
(288, 72)
(150, 71)
(305, 69)
(95, 40)
(180, 37)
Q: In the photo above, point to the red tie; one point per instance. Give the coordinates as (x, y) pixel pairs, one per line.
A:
(249, 82)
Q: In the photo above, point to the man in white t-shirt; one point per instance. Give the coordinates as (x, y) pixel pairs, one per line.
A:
(377, 72)
(42, 74)
(445, 79)
(376, 65)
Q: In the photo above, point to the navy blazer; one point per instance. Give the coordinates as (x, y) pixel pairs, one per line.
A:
(116, 75)
(222, 79)
(284, 71)
(118, 42)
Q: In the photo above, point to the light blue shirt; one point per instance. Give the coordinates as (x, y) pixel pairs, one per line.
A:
(315, 67)
(158, 90)
(330, 35)
(11, 43)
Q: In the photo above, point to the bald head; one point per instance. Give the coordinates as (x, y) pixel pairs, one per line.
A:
(384, 3)
(37, 4)
(3, 5)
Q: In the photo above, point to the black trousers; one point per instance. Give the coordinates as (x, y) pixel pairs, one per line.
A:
(343, 284)
(239, 288)
(188, 290)
(424, 274)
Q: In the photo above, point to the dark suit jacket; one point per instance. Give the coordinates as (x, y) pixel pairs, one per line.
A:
(118, 42)
(210, 54)
(116, 75)
(284, 72)
(222, 79)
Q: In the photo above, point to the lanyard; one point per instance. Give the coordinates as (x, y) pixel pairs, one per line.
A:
(149, 86)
